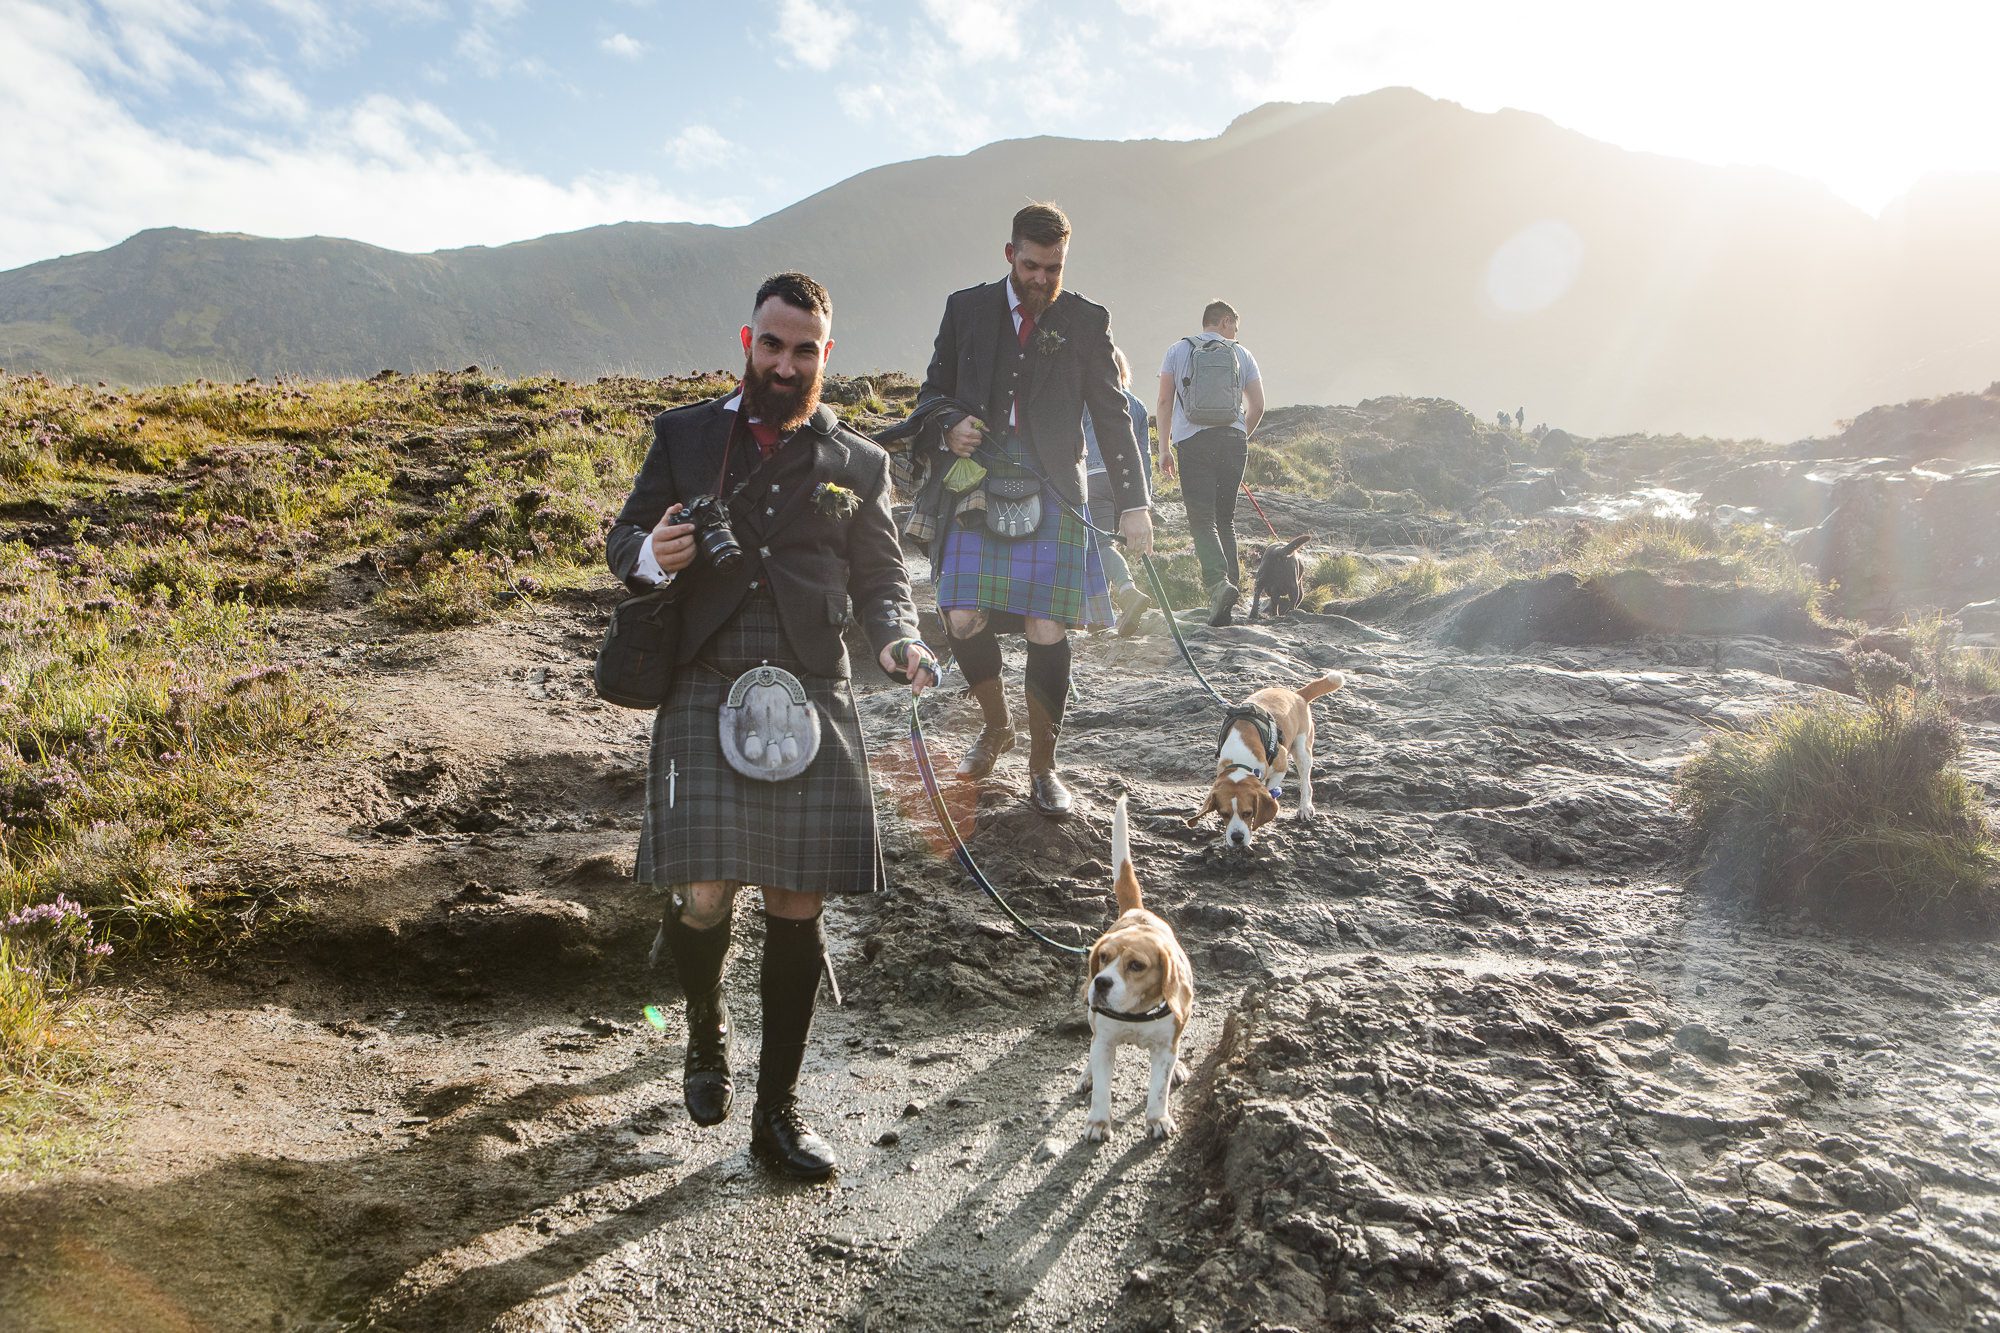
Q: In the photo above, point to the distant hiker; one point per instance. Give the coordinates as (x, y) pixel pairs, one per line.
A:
(1520, 417)
(757, 773)
(1503, 418)
(1125, 594)
(1016, 363)
(1213, 394)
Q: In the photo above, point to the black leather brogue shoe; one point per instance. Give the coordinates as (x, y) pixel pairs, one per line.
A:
(781, 1136)
(985, 753)
(1048, 795)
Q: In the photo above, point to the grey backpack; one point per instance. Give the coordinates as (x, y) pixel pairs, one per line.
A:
(1212, 386)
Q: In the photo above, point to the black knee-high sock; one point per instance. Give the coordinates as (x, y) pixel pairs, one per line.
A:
(978, 656)
(1048, 677)
(790, 987)
(699, 955)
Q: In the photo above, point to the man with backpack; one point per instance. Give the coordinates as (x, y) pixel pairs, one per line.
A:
(1213, 395)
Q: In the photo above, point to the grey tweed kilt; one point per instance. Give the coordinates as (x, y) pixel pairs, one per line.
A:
(706, 821)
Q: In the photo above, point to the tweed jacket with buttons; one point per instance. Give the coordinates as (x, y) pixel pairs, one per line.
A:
(823, 570)
(1065, 367)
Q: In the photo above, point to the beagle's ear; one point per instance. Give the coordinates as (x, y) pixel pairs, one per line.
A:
(1267, 808)
(1202, 813)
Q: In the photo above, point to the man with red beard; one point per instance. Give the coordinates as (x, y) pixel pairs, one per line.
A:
(1016, 363)
(778, 795)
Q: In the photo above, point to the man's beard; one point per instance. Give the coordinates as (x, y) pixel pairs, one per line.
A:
(1033, 302)
(785, 406)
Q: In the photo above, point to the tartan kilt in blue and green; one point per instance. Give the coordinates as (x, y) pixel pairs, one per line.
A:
(1054, 574)
(705, 821)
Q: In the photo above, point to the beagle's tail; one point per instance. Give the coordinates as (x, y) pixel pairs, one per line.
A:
(1293, 546)
(1326, 684)
(1124, 879)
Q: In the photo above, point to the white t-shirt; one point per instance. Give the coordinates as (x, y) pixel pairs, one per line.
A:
(1176, 365)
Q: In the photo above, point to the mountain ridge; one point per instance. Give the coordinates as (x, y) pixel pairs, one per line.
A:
(1364, 241)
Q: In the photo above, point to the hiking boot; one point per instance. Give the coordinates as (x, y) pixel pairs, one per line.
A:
(985, 753)
(1131, 604)
(705, 1082)
(1222, 604)
(1048, 795)
(781, 1136)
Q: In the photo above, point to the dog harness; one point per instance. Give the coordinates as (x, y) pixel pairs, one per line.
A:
(1261, 719)
(1150, 1016)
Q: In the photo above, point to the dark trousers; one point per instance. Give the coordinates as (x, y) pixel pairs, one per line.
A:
(1211, 463)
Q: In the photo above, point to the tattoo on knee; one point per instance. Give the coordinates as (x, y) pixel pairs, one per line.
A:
(964, 625)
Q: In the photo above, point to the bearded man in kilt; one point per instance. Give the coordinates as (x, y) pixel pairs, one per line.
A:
(1016, 363)
(808, 504)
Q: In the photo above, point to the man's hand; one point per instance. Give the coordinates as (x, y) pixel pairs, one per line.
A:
(1136, 527)
(916, 663)
(673, 543)
(1166, 460)
(963, 438)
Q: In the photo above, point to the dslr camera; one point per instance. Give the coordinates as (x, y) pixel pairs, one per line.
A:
(714, 540)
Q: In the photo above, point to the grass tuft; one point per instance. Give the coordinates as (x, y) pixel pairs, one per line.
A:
(1854, 816)
(1957, 672)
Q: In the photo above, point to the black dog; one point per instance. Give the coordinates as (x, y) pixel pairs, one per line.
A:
(1278, 578)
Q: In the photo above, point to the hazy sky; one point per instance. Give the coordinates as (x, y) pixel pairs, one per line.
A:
(421, 124)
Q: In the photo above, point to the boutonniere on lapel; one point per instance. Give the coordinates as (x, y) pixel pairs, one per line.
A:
(835, 500)
(1048, 342)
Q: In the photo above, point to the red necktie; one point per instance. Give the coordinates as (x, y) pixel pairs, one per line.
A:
(1027, 328)
(766, 436)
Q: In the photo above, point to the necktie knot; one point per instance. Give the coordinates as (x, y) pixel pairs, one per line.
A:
(1027, 328)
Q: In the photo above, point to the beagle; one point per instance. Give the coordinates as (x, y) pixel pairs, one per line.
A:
(1263, 736)
(1140, 992)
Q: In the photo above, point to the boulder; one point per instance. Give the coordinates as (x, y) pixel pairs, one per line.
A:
(1904, 543)
(1563, 608)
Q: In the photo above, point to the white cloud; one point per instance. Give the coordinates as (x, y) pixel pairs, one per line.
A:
(321, 35)
(266, 94)
(699, 146)
(623, 46)
(980, 29)
(1239, 25)
(816, 34)
(481, 45)
(386, 170)
(927, 101)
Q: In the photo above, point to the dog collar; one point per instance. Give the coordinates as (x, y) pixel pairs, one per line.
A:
(1150, 1016)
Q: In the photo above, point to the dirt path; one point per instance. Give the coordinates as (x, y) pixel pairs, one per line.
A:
(435, 1104)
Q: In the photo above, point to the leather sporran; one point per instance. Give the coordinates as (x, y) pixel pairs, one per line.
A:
(635, 663)
(1013, 502)
(769, 726)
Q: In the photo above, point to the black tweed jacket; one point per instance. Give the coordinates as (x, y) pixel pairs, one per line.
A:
(1066, 366)
(824, 571)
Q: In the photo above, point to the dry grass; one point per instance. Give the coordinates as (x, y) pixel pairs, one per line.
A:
(141, 700)
(1858, 816)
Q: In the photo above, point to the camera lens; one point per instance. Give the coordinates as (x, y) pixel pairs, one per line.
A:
(712, 536)
(719, 545)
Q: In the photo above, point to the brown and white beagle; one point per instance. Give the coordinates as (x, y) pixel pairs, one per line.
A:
(1140, 992)
(1263, 737)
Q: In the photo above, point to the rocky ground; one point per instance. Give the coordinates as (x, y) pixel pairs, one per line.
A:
(1466, 1053)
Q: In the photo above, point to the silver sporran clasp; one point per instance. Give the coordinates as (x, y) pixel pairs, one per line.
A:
(769, 727)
